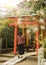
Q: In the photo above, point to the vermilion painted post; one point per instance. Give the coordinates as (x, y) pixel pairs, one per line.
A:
(15, 32)
(15, 39)
(37, 42)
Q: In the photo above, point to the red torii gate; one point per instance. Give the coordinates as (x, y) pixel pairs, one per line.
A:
(15, 24)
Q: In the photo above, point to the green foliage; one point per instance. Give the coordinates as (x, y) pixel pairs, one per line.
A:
(7, 35)
(28, 4)
(24, 8)
(45, 12)
(28, 8)
(39, 4)
(45, 42)
(44, 45)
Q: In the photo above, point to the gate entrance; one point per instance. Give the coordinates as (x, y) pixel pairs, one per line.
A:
(23, 25)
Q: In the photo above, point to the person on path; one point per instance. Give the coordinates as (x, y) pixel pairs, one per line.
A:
(20, 42)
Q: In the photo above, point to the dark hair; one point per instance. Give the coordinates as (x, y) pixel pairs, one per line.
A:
(20, 33)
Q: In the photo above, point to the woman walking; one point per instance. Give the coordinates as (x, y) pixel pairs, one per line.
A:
(20, 41)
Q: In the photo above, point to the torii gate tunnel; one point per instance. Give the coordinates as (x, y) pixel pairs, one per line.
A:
(26, 22)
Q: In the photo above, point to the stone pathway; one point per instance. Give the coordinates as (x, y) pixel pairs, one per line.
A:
(15, 60)
(30, 60)
(5, 57)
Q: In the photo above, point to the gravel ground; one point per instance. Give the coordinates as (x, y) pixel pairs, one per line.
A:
(31, 60)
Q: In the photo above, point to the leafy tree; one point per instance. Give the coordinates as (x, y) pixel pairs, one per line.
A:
(40, 5)
(7, 35)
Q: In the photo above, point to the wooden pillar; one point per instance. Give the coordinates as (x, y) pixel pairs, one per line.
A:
(37, 41)
(26, 39)
(23, 30)
(15, 39)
